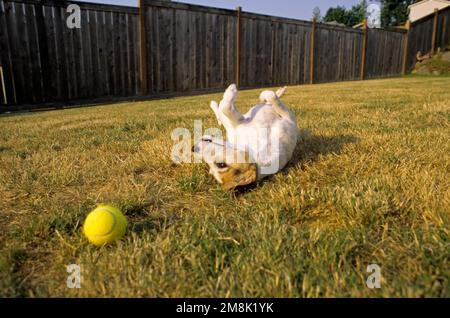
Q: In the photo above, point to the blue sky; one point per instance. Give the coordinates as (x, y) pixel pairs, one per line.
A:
(298, 9)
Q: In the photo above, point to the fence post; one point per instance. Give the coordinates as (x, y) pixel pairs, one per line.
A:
(435, 25)
(142, 48)
(406, 47)
(238, 47)
(364, 49)
(444, 29)
(311, 52)
(3, 85)
(44, 57)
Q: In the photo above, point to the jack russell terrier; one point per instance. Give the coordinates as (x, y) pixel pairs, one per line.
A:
(259, 143)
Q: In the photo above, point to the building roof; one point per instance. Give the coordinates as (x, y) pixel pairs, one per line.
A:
(426, 8)
(423, 1)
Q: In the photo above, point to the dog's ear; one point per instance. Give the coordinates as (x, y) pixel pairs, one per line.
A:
(239, 175)
(281, 91)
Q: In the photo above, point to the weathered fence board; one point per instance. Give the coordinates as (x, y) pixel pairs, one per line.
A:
(187, 47)
(443, 29)
(421, 36)
(338, 54)
(45, 61)
(384, 53)
(420, 39)
(273, 53)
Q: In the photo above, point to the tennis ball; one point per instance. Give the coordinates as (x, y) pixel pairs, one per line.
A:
(104, 225)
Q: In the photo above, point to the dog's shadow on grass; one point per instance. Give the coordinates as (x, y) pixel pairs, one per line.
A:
(309, 148)
(142, 221)
(153, 224)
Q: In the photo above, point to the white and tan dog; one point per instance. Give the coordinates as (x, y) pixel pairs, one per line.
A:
(259, 143)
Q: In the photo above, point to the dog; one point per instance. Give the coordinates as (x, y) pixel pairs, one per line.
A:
(259, 143)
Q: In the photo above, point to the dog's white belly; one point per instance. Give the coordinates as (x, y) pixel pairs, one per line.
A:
(269, 138)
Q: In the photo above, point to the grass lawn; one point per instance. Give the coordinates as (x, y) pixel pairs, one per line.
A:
(369, 184)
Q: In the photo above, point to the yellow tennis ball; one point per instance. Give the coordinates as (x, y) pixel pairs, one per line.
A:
(104, 225)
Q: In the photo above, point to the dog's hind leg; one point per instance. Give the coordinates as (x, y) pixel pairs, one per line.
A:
(228, 108)
(280, 92)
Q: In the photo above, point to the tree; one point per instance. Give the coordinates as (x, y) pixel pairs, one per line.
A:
(394, 12)
(338, 14)
(316, 14)
(358, 13)
(349, 17)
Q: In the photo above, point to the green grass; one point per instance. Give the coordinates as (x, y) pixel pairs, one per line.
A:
(369, 183)
(437, 64)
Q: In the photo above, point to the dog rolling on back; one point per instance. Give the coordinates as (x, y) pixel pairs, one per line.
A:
(259, 143)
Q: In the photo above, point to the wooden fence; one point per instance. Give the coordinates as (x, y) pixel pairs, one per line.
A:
(185, 47)
(45, 61)
(428, 34)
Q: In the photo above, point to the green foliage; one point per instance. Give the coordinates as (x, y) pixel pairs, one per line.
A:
(349, 17)
(438, 65)
(435, 65)
(338, 14)
(394, 12)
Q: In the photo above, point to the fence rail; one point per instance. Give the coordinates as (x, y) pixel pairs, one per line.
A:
(185, 47)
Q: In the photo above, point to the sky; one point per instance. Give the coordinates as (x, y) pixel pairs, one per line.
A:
(297, 9)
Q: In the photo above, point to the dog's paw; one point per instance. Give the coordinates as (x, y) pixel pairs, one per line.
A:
(267, 97)
(214, 106)
(231, 93)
